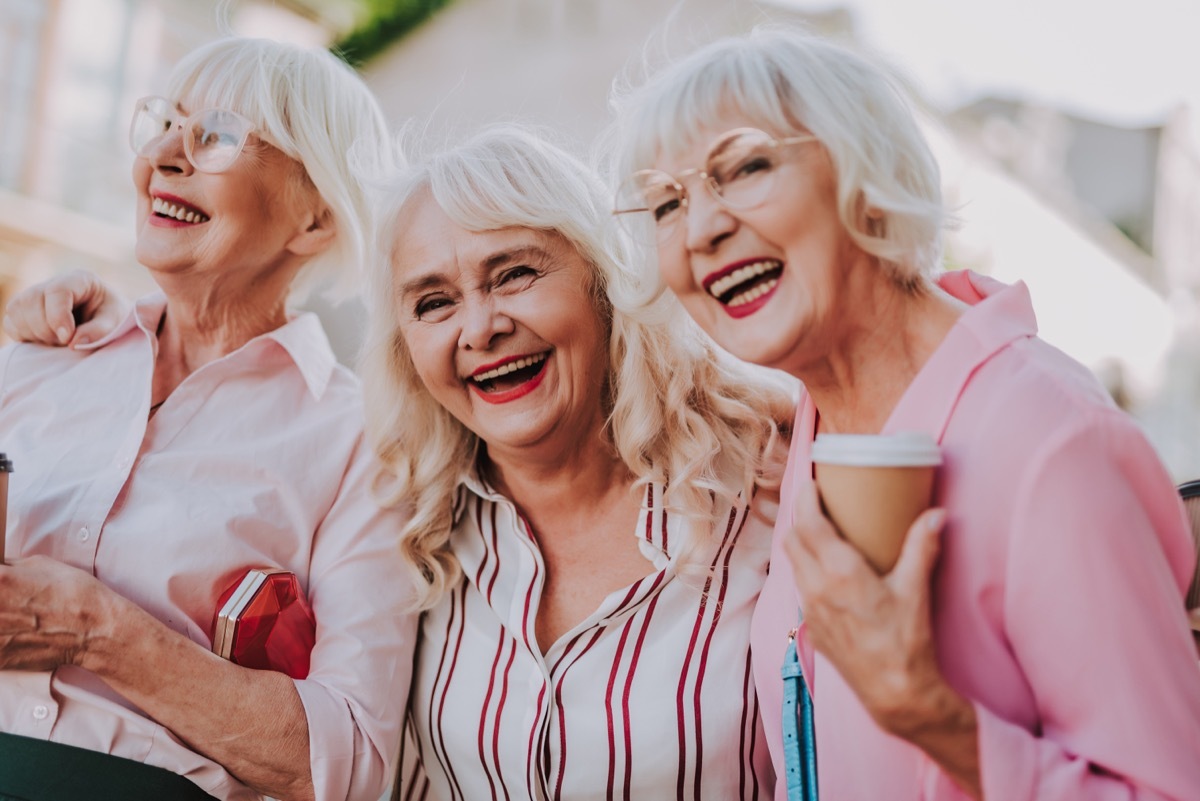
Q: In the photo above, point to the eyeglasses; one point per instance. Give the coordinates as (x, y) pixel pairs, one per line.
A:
(739, 171)
(212, 139)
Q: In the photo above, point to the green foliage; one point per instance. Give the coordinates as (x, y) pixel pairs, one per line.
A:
(385, 22)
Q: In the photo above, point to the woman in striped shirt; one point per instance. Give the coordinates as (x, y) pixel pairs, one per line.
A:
(577, 483)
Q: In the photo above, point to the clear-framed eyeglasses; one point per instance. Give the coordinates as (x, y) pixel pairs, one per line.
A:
(740, 171)
(212, 138)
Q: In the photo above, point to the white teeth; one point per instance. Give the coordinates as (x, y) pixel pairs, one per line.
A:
(510, 367)
(754, 293)
(750, 271)
(166, 209)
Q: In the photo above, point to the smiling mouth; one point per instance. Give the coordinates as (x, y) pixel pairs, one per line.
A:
(745, 284)
(510, 375)
(174, 211)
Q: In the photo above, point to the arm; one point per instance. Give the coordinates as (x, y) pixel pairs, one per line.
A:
(1098, 563)
(332, 735)
(46, 313)
(877, 632)
(249, 721)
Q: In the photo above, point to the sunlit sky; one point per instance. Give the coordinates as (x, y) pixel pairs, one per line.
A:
(1127, 62)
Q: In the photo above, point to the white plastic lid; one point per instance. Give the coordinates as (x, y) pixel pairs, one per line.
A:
(906, 449)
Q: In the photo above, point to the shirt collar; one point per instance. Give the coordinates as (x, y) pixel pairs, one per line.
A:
(999, 315)
(302, 337)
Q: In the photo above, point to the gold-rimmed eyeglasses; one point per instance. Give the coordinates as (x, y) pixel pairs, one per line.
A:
(212, 138)
(739, 171)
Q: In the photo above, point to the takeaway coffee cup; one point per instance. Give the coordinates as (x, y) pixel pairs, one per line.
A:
(5, 468)
(874, 486)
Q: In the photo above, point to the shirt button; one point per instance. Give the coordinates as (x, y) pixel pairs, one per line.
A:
(84, 534)
(40, 712)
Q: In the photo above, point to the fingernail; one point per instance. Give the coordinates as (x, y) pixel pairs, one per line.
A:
(63, 335)
(937, 519)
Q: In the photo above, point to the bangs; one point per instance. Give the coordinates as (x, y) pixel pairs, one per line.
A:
(251, 81)
(676, 113)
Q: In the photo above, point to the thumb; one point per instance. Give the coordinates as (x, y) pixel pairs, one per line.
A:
(920, 552)
(99, 311)
(91, 331)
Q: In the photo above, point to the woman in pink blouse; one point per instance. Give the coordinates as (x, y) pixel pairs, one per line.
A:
(210, 432)
(1031, 641)
(577, 481)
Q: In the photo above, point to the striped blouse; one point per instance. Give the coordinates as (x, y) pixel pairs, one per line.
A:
(651, 696)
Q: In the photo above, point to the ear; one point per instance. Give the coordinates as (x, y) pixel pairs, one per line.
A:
(316, 236)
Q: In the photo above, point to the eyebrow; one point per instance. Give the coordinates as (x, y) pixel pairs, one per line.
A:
(434, 279)
(519, 253)
(422, 283)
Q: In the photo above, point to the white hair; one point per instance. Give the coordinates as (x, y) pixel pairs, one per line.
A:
(678, 409)
(315, 109)
(788, 82)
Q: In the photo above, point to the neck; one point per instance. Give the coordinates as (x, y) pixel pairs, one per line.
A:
(201, 327)
(571, 481)
(881, 345)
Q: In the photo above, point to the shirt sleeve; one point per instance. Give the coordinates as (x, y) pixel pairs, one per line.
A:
(1098, 562)
(355, 694)
(6, 355)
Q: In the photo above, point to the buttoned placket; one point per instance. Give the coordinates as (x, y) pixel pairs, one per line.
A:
(552, 665)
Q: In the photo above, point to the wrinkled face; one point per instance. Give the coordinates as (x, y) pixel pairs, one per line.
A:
(242, 221)
(502, 330)
(765, 282)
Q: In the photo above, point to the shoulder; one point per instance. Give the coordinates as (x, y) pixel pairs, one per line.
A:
(1031, 393)
(25, 366)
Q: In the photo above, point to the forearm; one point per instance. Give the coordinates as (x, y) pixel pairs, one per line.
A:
(249, 721)
(948, 733)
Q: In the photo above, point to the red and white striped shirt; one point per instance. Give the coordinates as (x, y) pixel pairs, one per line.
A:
(651, 696)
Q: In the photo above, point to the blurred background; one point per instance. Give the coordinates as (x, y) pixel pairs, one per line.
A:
(1065, 129)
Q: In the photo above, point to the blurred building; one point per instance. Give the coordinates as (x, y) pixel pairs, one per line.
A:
(1133, 194)
(1099, 220)
(70, 71)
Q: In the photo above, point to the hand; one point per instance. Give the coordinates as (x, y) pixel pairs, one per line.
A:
(875, 630)
(46, 313)
(49, 613)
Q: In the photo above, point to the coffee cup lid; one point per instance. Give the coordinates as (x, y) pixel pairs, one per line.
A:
(6, 465)
(905, 449)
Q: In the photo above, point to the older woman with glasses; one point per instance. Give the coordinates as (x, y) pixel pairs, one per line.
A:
(1031, 642)
(584, 490)
(209, 434)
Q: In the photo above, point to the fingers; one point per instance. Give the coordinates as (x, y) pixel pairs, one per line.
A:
(58, 305)
(815, 549)
(921, 547)
(806, 514)
(45, 313)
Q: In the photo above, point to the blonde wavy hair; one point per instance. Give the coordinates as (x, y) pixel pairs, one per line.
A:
(678, 408)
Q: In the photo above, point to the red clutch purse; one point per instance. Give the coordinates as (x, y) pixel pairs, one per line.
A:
(263, 621)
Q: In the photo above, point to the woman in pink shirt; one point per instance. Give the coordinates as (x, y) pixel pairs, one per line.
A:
(1031, 641)
(210, 432)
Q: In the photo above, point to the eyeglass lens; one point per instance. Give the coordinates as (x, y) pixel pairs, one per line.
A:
(212, 139)
(739, 170)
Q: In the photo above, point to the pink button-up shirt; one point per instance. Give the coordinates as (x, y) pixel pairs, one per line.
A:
(1058, 598)
(256, 459)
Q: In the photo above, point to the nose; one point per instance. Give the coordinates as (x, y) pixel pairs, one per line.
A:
(483, 322)
(707, 222)
(167, 154)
